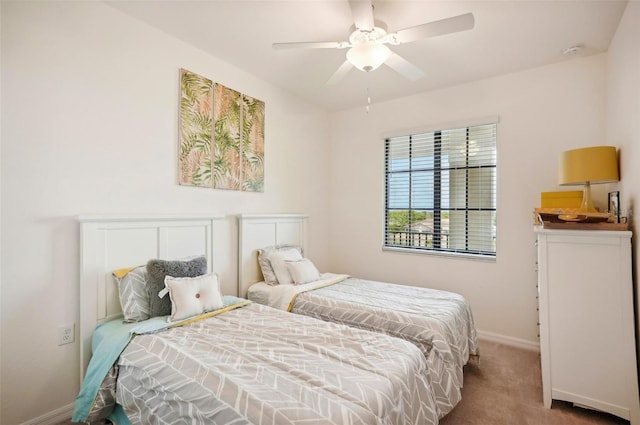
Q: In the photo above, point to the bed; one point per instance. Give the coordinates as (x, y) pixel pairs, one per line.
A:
(439, 323)
(240, 363)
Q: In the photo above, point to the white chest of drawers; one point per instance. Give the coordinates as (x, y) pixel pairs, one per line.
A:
(587, 325)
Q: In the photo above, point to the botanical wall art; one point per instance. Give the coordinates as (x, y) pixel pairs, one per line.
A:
(252, 144)
(221, 136)
(196, 123)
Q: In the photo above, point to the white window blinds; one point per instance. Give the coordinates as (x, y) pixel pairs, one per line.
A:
(440, 191)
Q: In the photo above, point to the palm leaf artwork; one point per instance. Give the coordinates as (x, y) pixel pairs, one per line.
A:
(227, 135)
(252, 144)
(196, 119)
(221, 136)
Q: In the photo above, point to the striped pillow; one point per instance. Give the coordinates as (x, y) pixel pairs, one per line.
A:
(134, 298)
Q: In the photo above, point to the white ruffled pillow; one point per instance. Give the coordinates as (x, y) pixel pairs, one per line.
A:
(272, 262)
(191, 296)
(279, 261)
(303, 271)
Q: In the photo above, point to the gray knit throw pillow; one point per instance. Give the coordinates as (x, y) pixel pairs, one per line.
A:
(156, 272)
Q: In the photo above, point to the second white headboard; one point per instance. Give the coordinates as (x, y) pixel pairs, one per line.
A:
(256, 231)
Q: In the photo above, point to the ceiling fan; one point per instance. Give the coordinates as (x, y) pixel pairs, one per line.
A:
(368, 41)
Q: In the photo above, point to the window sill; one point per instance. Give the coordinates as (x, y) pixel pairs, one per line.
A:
(452, 255)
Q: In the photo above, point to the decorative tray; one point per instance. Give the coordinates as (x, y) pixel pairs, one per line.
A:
(573, 218)
(575, 221)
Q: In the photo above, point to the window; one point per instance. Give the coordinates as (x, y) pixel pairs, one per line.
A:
(440, 191)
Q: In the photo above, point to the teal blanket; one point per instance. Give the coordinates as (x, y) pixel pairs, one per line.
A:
(108, 342)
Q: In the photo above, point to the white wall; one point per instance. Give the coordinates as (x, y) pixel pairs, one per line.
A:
(542, 112)
(623, 115)
(0, 212)
(89, 125)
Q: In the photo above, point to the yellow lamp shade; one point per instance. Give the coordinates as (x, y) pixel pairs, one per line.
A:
(598, 164)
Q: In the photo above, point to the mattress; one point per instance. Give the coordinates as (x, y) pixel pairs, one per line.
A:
(439, 323)
(258, 365)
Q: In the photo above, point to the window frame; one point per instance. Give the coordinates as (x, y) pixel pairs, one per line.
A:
(437, 210)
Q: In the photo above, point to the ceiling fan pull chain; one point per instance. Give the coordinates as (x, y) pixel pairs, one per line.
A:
(368, 101)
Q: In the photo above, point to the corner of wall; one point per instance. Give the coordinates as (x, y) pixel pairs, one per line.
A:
(0, 206)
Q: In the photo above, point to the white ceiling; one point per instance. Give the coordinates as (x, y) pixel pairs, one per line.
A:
(509, 35)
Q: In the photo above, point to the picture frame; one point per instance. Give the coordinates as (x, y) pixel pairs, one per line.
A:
(614, 205)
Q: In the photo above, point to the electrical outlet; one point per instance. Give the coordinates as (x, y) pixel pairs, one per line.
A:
(66, 334)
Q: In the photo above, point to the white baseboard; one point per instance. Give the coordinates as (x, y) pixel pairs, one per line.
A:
(54, 417)
(508, 340)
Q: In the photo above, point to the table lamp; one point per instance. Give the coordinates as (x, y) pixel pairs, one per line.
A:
(586, 166)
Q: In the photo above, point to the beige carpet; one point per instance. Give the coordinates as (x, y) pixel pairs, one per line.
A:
(505, 388)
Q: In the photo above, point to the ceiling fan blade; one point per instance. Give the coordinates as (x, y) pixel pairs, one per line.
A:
(436, 28)
(342, 71)
(404, 67)
(311, 45)
(362, 12)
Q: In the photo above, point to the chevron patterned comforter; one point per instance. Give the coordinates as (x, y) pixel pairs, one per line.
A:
(440, 323)
(257, 365)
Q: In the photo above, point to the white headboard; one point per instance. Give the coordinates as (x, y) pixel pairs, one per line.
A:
(259, 231)
(108, 243)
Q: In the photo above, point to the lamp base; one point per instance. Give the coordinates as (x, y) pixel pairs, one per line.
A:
(587, 203)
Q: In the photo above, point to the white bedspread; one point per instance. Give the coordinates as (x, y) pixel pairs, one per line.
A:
(260, 366)
(440, 323)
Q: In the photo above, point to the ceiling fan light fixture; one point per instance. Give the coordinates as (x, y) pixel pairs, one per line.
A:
(369, 41)
(368, 56)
